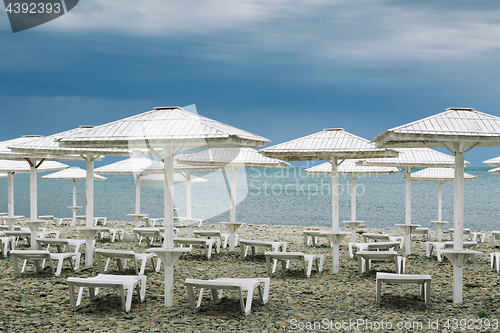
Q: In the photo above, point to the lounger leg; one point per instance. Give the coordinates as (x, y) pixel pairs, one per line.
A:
(270, 270)
(208, 249)
(216, 295)
(243, 251)
(16, 267)
(192, 302)
(79, 299)
(492, 256)
(378, 286)
(319, 264)
(498, 261)
(143, 266)
(309, 268)
(360, 265)
(39, 267)
(99, 263)
(253, 250)
(130, 292)
(119, 263)
(428, 294)
(71, 287)
(306, 240)
(125, 299)
(198, 305)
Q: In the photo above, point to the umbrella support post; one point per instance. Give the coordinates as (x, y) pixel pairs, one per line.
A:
(335, 239)
(169, 257)
(408, 229)
(458, 259)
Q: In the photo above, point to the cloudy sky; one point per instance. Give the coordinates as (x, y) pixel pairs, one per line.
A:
(281, 69)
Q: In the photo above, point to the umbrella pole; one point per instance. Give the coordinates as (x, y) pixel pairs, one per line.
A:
(188, 194)
(168, 172)
(33, 191)
(458, 220)
(89, 211)
(234, 176)
(10, 185)
(353, 197)
(74, 197)
(440, 200)
(335, 213)
(137, 194)
(408, 210)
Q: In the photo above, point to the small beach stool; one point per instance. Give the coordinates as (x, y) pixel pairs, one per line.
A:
(120, 282)
(239, 285)
(423, 280)
(306, 259)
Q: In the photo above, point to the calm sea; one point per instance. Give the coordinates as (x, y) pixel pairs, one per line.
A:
(272, 196)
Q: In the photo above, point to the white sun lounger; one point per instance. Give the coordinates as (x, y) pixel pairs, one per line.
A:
(245, 244)
(422, 231)
(205, 243)
(423, 280)
(218, 285)
(224, 237)
(120, 255)
(120, 282)
(440, 246)
(376, 246)
(307, 261)
(365, 259)
(42, 255)
(5, 241)
(311, 237)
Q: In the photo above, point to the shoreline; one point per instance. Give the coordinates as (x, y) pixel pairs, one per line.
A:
(39, 301)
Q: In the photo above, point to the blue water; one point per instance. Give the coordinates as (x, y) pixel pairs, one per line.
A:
(272, 196)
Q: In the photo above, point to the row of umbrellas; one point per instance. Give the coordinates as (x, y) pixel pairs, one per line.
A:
(166, 131)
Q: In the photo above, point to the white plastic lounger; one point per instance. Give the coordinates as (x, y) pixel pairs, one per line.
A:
(423, 280)
(311, 237)
(120, 282)
(120, 255)
(375, 246)
(42, 255)
(365, 259)
(224, 237)
(218, 285)
(5, 242)
(151, 234)
(422, 231)
(440, 246)
(206, 243)
(253, 244)
(306, 259)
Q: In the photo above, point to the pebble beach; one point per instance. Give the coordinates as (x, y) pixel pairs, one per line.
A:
(341, 302)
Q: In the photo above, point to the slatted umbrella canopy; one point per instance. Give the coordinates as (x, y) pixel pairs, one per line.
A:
(351, 170)
(169, 129)
(458, 130)
(495, 171)
(493, 161)
(333, 145)
(178, 178)
(440, 176)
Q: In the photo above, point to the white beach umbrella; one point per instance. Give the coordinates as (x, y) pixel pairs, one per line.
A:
(170, 129)
(334, 146)
(72, 173)
(440, 176)
(352, 172)
(410, 158)
(232, 159)
(38, 149)
(495, 171)
(458, 130)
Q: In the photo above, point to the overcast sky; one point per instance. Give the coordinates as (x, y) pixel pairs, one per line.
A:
(280, 69)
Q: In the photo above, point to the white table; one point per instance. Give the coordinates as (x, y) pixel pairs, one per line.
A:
(232, 227)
